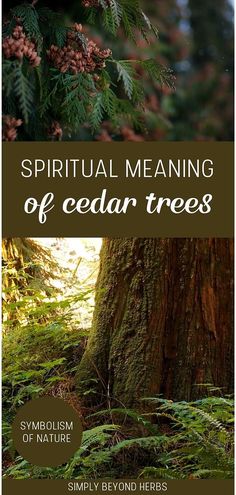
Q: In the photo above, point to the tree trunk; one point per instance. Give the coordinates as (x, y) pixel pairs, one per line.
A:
(163, 320)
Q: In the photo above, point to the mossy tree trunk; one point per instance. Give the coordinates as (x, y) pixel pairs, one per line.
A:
(162, 321)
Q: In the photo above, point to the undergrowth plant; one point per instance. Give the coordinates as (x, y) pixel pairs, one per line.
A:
(199, 439)
(42, 336)
(188, 441)
(57, 79)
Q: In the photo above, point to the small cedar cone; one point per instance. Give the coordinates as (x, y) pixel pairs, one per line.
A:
(129, 135)
(10, 125)
(104, 136)
(75, 58)
(19, 46)
(55, 131)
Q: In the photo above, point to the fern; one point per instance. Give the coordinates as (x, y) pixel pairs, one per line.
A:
(95, 438)
(160, 473)
(128, 413)
(200, 445)
(143, 442)
(98, 435)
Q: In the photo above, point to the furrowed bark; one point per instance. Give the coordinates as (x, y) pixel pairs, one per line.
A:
(162, 322)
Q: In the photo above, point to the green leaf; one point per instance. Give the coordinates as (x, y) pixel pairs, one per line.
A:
(52, 364)
(158, 72)
(126, 74)
(97, 112)
(24, 93)
(29, 18)
(110, 103)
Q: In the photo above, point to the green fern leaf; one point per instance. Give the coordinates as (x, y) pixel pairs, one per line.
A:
(160, 473)
(144, 442)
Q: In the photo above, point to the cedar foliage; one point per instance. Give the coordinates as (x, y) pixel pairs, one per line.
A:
(51, 98)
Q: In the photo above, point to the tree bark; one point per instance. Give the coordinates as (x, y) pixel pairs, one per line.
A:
(163, 320)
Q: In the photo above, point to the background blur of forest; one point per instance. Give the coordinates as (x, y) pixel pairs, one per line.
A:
(196, 41)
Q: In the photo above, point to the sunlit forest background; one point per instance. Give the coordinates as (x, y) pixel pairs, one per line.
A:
(49, 308)
(174, 84)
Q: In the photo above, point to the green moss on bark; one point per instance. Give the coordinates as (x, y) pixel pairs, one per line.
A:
(162, 320)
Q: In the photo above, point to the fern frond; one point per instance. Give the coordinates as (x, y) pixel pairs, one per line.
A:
(98, 435)
(138, 418)
(211, 473)
(144, 442)
(160, 473)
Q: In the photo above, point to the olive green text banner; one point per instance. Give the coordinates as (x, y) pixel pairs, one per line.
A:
(83, 189)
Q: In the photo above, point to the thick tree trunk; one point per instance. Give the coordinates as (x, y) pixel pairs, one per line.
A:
(162, 322)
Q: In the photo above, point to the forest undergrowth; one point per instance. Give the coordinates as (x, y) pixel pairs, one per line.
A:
(43, 343)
